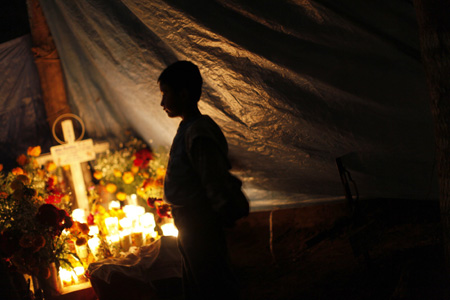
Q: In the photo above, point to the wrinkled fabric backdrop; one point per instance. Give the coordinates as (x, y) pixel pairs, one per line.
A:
(293, 84)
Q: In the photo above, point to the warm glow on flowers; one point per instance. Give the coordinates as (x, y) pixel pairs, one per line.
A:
(134, 169)
(117, 173)
(22, 160)
(128, 177)
(51, 166)
(160, 172)
(98, 175)
(34, 151)
(17, 171)
(121, 196)
(111, 188)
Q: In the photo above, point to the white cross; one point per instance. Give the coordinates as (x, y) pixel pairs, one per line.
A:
(73, 153)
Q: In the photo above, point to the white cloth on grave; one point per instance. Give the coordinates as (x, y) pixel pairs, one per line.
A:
(157, 261)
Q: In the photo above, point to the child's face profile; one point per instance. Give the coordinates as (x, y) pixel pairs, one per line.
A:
(172, 102)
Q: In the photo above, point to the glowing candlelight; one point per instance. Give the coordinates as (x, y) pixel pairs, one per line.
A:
(93, 230)
(114, 205)
(169, 229)
(114, 241)
(137, 238)
(125, 240)
(125, 223)
(112, 225)
(94, 244)
(147, 220)
(79, 215)
(66, 276)
(82, 251)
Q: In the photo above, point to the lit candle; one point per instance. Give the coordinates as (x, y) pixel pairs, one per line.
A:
(136, 237)
(114, 242)
(125, 240)
(147, 220)
(125, 223)
(82, 251)
(112, 225)
(79, 272)
(169, 229)
(79, 215)
(94, 244)
(114, 205)
(93, 230)
(67, 277)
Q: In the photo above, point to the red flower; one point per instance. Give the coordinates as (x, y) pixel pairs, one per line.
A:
(90, 219)
(50, 183)
(143, 157)
(152, 202)
(54, 197)
(164, 211)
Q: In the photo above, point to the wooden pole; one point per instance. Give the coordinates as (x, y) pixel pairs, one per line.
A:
(48, 64)
(434, 30)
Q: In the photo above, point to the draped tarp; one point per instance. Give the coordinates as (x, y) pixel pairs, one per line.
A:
(293, 84)
(23, 122)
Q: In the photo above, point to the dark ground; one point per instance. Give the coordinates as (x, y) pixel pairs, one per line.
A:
(318, 252)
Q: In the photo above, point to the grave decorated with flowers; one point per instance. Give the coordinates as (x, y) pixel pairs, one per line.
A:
(52, 244)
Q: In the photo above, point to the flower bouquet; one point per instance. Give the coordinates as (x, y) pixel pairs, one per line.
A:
(30, 223)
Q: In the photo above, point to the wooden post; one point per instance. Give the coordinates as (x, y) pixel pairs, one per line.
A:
(48, 64)
(434, 29)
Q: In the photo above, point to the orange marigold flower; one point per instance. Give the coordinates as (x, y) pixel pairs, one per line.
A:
(98, 175)
(22, 160)
(134, 169)
(66, 167)
(111, 188)
(34, 151)
(51, 166)
(17, 171)
(1, 167)
(121, 196)
(117, 173)
(3, 195)
(128, 177)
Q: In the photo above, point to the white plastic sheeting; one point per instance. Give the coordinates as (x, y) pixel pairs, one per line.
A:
(294, 84)
(22, 114)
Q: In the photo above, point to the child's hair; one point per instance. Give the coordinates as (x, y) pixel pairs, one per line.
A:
(183, 75)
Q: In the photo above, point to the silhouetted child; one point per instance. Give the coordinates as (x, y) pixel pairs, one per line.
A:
(199, 187)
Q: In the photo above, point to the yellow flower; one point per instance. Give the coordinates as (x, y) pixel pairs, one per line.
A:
(17, 171)
(117, 173)
(128, 177)
(134, 169)
(160, 172)
(51, 166)
(98, 175)
(34, 151)
(111, 188)
(121, 196)
(22, 159)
